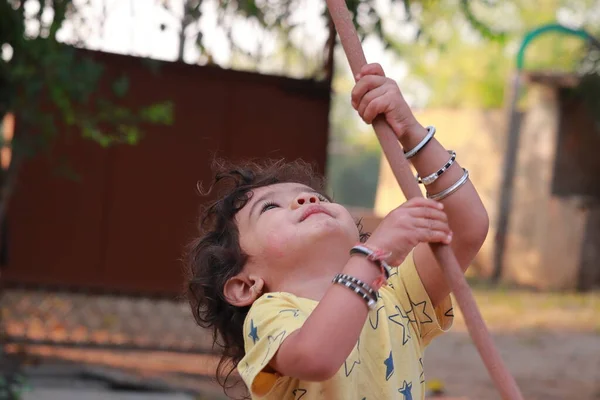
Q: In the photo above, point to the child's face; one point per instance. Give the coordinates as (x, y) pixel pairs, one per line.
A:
(282, 222)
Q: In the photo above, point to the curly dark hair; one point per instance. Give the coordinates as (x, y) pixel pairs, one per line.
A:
(216, 255)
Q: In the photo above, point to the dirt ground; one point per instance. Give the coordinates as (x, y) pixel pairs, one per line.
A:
(550, 342)
(547, 366)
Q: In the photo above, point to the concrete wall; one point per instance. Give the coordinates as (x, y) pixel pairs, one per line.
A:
(545, 232)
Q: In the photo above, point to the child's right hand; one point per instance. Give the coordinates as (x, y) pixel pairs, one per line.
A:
(419, 220)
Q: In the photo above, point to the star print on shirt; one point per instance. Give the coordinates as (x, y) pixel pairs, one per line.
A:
(450, 312)
(389, 367)
(253, 332)
(246, 369)
(299, 393)
(274, 343)
(401, 319)
(406, 390)
(295, 312)
(410, 313)
(425, 318)
(375, 324)
(352, 360)
(422, 376)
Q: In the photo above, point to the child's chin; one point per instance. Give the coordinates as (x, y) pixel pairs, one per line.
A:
(328, 228)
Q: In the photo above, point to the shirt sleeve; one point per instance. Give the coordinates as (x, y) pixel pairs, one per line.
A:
(427, 320)
(271, 319)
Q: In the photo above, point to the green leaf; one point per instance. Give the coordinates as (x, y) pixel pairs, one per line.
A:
(158, 113)
(121, 86)
(92, 132)
(131, 134)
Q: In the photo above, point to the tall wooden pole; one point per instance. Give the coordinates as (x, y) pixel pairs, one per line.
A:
(503, 380)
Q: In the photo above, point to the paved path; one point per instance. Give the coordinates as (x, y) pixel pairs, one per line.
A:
(60, 381)
(94, 394)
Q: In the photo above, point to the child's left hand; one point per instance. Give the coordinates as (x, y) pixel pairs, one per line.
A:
(375, 94)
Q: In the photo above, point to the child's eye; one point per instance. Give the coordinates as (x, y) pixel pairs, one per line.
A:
(267, 206)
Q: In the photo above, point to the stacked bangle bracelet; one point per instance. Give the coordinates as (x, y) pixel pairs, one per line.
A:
(358, 287)
(447, 192)
(431, 178)
(415, 150)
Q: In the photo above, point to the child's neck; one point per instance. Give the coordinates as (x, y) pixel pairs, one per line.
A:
(311, 276)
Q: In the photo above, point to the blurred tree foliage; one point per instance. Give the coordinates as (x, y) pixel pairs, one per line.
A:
(461, 50)
(47, 86)
(465, 61)
(460, 53)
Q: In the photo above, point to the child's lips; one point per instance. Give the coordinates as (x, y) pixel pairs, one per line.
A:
(314, 209)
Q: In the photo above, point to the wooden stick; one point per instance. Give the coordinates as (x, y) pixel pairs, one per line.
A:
(503, 380)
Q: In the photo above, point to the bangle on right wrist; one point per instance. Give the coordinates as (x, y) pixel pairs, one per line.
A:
(378, 257)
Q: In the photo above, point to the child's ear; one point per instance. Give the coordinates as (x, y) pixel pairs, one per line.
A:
(242, 290)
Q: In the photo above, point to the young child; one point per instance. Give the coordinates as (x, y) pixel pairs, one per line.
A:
(302, 303)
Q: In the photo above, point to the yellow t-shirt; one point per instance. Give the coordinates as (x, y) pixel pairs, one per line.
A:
(386, 363)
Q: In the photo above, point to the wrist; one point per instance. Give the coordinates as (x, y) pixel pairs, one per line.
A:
(360, 267)
(412, 135)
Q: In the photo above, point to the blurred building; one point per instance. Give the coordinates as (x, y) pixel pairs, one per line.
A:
(553, 238)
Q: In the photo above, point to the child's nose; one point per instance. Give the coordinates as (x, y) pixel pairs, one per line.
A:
(305, 198)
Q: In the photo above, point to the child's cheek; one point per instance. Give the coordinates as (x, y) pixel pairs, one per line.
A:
(277, 244)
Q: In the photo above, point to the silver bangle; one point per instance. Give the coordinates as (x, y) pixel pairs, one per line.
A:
(445, 193)
(365, 251)
(429, 179)
(369, 300)
(360, 283)
(413, 152)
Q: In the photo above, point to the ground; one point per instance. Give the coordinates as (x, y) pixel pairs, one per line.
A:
(550, 342)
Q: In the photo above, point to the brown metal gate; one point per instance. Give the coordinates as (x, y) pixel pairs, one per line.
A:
(121, 227)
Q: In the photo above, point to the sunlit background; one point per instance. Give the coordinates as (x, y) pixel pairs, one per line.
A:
(455, 62)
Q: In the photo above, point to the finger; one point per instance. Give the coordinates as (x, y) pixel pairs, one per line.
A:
(423, 202)
(364, 85)
(434, 236)
(371, 69)
(368, 98)
(380, 105)
(429, 213)
(376, 107)
(432, 225)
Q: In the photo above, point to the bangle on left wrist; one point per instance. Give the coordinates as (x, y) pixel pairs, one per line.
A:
(421, 144)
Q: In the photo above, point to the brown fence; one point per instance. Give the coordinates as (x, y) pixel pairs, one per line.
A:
(123, 225)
